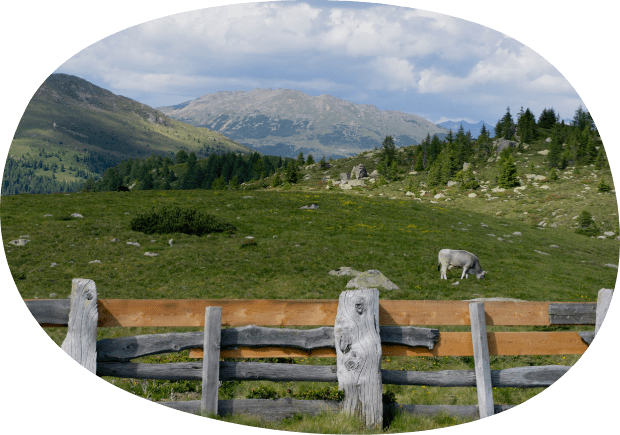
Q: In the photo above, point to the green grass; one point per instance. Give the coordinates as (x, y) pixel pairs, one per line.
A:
(294, 251)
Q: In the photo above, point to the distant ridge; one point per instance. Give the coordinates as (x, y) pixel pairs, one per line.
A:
(68, 113)
(284, 122)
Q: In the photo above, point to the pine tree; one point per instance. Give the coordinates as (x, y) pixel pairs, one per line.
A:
(309, 160)
(507, 177)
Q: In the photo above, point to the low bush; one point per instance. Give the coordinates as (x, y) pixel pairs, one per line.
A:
(175, 219)
(586, 225)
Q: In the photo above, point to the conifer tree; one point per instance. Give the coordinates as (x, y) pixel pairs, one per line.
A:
(507, 177)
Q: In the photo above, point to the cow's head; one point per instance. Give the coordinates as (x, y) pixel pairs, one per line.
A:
(481, 274)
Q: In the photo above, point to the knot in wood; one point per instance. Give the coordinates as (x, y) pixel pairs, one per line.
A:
(89, 296)
(352, 363)
(360, 305)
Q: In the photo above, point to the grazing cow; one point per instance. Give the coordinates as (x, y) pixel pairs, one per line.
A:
(122, 189)
(449, 258)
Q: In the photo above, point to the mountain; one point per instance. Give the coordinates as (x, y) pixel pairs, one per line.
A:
(473, 128)
(73, 125)
(284, 122)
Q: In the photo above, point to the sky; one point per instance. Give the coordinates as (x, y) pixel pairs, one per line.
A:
(396, 58)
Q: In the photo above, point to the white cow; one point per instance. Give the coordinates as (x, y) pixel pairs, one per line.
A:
(449, 258)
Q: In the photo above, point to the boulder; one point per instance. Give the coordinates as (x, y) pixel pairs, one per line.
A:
(374, 174)
(77, 215)
(452, 183)
(466, 166)
(151, 254)
(344, 271)
(359, 171)
(357, 182)
(312, 206)
(506, 144)
(371, 279)
(19, 242)
(344, 177)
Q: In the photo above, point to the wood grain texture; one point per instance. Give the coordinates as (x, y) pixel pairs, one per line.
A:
(267, 409)
(484, 388)
(127, 348)
(211, 360)
(188, 312)
(449, 344)
(81, 340)
(602, 305)
(518, 377)
(454, 410)
(572, 313)
(50, 312)
(358, 354)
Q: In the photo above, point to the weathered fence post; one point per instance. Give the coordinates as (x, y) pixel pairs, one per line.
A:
(481, 359)
(358, 354)
(81, 340)
(602, 305)
(211, 360)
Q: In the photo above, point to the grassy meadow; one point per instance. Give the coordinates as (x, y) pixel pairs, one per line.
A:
(363, 228)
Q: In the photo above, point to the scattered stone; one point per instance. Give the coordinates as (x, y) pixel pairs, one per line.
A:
(374, 174)
(466, 166)
(498, 189)
(19, 242)
(500, 239)
(359, 171)
(249, 237)
(456, 283)
(517, 233)
(312, 206)
(609, 233)
(170, 242)
(344, 271)
(439, 195)
(94, 261)
(548, 140)
(553, 246)
(153, 241)
(371, 279)
(492, 235)
(247, 197)
(413, 173)
(452, 183)
(151, 254)
(472, 195)
(601, 237)
(48, 215)
(506, 144)
(409, 193)
(115, 240)
(53, 295)
(543, 152)
(77, 215)
(54, 264)
(540, 252)
(484, 225)
(344, 177)
(611, 265)
(133, 243)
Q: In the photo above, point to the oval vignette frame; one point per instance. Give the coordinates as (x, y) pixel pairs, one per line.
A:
(41, 396)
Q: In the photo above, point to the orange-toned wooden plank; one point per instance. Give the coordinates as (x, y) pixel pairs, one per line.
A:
(261, 312)
(449, 344)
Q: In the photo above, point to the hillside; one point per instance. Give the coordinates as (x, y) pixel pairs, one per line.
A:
(72, 129)
(474, 129)
(283, 122)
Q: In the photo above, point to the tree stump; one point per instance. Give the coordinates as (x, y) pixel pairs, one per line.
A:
(358, 354)
(81, 340)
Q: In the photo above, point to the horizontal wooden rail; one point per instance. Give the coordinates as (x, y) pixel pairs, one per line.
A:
(449, 344)
(267, 312)
(518, 377)
(127, 348)
(278, 409)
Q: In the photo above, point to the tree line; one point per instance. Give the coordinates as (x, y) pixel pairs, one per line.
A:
(186, 171)
(574, 144)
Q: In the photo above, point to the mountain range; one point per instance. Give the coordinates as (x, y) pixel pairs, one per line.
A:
(283, 122)
(99, 129)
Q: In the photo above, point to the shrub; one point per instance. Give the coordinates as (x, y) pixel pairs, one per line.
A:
(263, 392)
(175, 219)
(586, 224)
(602, 186)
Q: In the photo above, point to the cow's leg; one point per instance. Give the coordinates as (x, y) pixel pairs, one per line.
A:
(444, 268)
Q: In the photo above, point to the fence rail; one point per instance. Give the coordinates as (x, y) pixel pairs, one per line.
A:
(246, 335)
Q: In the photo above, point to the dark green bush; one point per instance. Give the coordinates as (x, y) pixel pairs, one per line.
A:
(586, 225)
(175, 219)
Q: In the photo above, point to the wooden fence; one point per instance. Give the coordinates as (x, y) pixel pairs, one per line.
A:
(247, 335)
